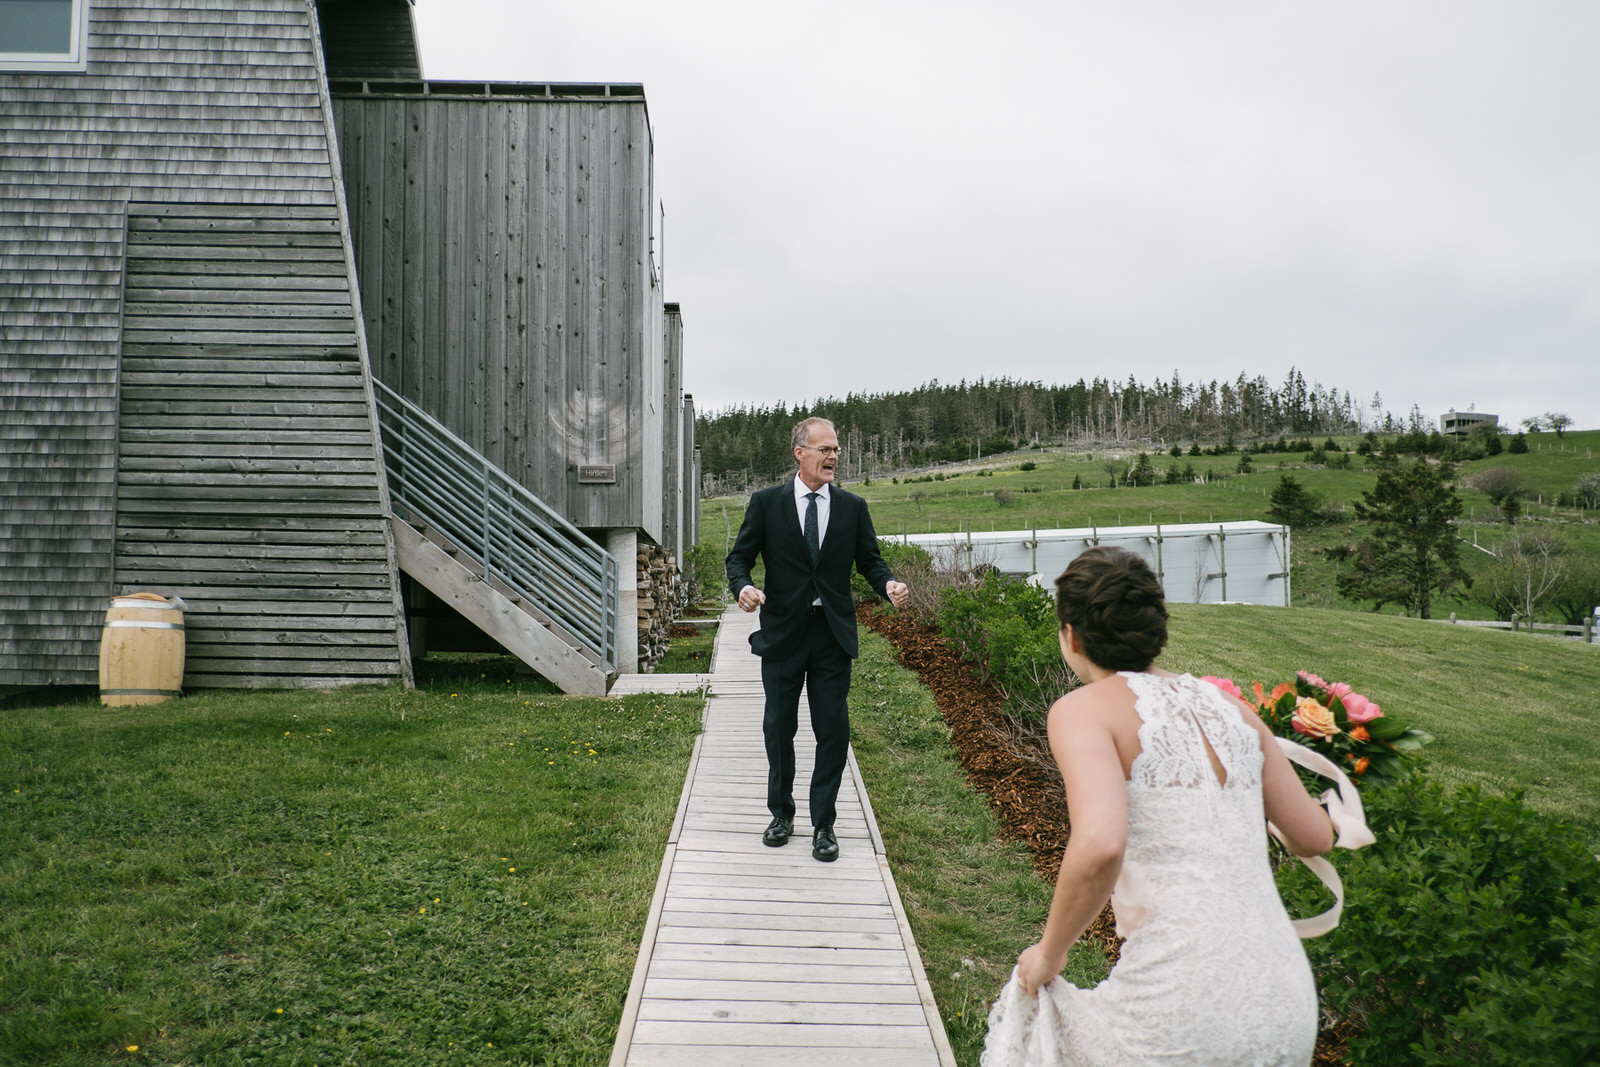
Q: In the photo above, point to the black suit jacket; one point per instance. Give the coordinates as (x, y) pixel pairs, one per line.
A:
(771, 530)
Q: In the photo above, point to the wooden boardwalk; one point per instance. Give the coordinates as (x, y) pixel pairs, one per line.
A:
(757, 955)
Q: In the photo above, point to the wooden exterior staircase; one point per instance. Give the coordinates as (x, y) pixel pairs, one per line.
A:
(495, 554)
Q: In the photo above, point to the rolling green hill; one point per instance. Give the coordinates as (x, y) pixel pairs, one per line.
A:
(1034, 490)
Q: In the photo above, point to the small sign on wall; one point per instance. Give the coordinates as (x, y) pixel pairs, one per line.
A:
(597, 474)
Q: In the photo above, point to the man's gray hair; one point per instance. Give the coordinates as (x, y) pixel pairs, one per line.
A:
(801, 437)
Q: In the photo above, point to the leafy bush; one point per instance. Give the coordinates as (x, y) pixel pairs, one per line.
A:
(1007, 628)
(909, 563)
(1471, 933)
(706, 575)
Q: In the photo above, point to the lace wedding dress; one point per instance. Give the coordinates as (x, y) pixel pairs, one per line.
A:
(1212, 971)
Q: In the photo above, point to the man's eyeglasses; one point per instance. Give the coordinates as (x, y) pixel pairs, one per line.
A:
(826, 450)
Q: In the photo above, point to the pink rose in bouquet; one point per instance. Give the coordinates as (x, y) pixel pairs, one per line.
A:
(1358, 708)
(1313, 720)
(1224, 684)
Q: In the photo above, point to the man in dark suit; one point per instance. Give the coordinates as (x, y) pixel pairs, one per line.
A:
(808, 532)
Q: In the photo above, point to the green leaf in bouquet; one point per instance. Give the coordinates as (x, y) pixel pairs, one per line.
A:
(1386, 729)
(1412, 740)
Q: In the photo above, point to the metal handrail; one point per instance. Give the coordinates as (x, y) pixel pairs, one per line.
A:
(438, 480)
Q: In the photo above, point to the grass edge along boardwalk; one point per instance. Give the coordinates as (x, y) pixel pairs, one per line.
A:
(764, 955)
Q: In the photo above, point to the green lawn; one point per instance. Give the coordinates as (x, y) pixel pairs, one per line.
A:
(462, 873)
(1511, 711)
(455, 875)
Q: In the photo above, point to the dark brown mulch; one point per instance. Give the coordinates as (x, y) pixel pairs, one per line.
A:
(1011, 765)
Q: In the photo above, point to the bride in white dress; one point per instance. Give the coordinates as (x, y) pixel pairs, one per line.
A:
(1170, 783)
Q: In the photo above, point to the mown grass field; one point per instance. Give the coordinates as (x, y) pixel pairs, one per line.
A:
(1510, 711)
(452, 875)
(997, 494)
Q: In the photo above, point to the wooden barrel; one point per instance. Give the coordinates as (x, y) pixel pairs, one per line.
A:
(141, 650)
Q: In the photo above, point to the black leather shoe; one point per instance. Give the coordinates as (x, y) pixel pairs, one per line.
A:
(823, 845)
(777, 832)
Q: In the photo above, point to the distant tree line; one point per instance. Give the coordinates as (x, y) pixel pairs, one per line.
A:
(744, 446)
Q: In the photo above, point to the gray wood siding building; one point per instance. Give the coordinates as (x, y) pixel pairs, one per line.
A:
(221, 235)
(210, 110)
(503, 242)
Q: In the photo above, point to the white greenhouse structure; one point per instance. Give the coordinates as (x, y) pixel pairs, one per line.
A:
(1198, 563)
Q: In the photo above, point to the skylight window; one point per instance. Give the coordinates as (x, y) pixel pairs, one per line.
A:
(44, 35)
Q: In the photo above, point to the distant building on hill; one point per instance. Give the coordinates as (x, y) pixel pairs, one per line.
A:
(1461, 423)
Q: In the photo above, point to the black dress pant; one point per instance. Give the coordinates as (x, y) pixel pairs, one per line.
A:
(823, 668)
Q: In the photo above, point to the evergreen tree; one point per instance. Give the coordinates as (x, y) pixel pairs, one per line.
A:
(1411, 556)
(1292, 504)
(1518, 445)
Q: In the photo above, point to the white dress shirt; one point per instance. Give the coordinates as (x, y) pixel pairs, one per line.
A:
(801, 489)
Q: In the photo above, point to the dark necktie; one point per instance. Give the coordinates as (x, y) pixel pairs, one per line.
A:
(813, 542)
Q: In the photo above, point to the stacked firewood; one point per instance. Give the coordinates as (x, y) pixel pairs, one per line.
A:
(661, 595)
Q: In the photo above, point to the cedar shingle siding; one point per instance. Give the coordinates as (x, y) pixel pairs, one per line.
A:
(248, 479)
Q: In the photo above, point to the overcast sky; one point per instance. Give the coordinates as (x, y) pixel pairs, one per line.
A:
(860, 196)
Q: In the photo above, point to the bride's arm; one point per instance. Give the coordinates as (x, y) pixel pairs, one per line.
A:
(1305, 826)
(1097, 803)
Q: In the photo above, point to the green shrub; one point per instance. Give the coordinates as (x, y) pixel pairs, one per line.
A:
(1007, 628)
(1471, 932)
(905, 560)
(706, 572)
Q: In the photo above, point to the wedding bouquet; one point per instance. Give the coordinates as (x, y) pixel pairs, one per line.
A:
(1335, 720)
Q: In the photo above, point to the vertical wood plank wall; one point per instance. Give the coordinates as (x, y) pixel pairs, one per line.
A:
(691, 477)
(673, 434)
(502, 239)
(183, 101)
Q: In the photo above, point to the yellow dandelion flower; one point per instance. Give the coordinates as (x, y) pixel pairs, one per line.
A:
(422, 911)
(133, 1048)
(280, 1011)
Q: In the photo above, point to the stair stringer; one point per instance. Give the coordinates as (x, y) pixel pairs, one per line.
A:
(533, 641)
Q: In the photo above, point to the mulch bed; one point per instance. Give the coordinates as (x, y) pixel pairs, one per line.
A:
(1011, 765)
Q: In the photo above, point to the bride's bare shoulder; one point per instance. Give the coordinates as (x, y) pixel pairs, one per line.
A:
(1109, 695)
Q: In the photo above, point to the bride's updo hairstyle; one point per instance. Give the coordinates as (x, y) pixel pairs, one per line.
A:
(1113, 602)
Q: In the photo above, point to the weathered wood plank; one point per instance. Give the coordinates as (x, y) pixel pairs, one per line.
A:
(355, 651)
(152, 285)
(277, 399)
(775, 1036)
(289, 320)
(220, 441)
(147, 458)
(243, 423)
(139, 336)
(257, 253)
(841, 959)
(172, 210)
(666, 1054)
(284, 273)
(734, 1010)
(212, 554)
